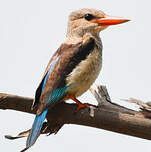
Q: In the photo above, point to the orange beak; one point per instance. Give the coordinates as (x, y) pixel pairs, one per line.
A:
(110, 20)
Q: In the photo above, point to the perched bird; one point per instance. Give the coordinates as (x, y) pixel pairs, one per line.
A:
(74, 67)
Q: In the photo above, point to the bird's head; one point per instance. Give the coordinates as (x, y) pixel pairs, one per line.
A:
(90, 21)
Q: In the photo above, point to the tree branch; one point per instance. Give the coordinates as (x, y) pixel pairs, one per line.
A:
(107, 115)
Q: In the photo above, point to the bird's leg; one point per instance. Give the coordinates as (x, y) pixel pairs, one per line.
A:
(80, 105)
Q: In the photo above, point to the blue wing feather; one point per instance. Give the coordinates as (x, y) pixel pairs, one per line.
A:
(39, 119)
(56, 95)
(43, 82)
(50, 70)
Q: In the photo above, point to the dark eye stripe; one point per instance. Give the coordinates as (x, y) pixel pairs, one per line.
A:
(89, 17)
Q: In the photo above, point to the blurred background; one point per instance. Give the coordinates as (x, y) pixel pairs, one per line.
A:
(32, 30)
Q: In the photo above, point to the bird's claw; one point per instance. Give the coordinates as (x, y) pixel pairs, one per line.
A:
(83, 105)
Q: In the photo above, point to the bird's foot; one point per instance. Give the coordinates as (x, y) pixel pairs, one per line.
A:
(81, 105)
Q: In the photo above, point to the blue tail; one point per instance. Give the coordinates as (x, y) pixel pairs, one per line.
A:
(35, 131)
(55, 97)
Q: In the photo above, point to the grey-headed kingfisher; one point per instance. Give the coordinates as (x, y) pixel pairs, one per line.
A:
(74, 66)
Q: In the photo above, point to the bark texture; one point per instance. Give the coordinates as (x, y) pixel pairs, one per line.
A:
(107, 115)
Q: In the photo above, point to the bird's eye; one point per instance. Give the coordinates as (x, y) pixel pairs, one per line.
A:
(88, 17)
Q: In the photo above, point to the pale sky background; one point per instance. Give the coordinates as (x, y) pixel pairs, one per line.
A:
(32, 30)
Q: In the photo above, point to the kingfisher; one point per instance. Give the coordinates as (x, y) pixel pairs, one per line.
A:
(74, 66)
